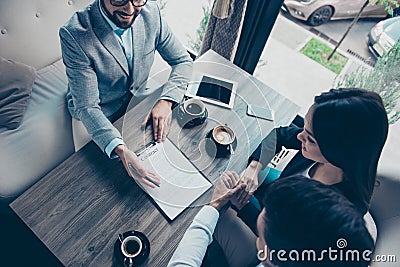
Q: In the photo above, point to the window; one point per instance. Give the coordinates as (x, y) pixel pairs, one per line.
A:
(185, 19)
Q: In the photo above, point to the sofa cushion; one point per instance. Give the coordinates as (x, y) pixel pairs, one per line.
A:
(388, 247)
(16, 80)
(44, 138)
(385, 209)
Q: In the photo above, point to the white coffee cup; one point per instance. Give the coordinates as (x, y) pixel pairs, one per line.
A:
(194, 107)
(223, 135)
(131, 246)
(192, 112)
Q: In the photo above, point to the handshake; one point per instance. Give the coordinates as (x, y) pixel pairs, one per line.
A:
(232, 189)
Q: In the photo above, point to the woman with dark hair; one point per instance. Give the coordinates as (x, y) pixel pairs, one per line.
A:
(351, 127)
(341, 142)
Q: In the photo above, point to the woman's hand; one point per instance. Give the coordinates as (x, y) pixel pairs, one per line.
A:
(250, 176)
(134, 168)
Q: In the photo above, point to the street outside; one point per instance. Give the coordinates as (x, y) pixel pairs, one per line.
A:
(355, 41)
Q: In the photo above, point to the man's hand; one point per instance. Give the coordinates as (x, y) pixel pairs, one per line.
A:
(134, 168)
(225, 188)
(161, 115)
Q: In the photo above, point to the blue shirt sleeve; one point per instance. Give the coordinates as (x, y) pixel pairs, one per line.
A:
(193, 246)
(168, 98)
(110, 147)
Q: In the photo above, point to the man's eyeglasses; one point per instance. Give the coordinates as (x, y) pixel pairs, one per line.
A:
(135, 3)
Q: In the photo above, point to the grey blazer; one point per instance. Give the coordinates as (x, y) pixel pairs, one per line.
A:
(98, 72)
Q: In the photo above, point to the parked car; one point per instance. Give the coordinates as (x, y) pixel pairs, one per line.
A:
(317, 12)
(383, 36)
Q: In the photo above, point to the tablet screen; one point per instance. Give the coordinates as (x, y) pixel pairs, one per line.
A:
(214, 90)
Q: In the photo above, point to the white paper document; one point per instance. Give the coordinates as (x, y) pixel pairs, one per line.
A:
(181, 182)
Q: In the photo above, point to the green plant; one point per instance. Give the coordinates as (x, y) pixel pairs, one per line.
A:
(195, 43)
(384, 79)
(319, 52)
(390, 5)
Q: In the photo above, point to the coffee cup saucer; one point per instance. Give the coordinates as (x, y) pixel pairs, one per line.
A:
(210, 143)
(139, 259)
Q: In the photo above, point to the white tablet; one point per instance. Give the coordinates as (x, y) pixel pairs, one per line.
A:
(214, 90)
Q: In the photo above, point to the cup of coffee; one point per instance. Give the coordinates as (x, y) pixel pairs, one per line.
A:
(223, 137)
(192, 112)
(131, 249)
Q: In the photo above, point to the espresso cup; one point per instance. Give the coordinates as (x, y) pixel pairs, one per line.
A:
(131, 247)
(223, 137)
(192, 112)
(194, 107)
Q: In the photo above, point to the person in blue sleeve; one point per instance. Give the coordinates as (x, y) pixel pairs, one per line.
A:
(302, 220)
(108, 49)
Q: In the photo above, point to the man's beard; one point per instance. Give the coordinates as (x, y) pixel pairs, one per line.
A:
(122, 24)
(115, 19)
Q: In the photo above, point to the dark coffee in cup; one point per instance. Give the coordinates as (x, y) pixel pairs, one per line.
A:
(131, 249)
(192, 112)
(193, 109)
(131, 246)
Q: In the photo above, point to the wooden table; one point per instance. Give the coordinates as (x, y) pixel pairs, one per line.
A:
(78, 209)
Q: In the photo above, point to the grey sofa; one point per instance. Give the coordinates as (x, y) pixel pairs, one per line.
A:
(44, 137)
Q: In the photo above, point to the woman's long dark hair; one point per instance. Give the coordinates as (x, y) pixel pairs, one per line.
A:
(351, 127)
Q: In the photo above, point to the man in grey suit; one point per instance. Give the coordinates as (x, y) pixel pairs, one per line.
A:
(108, 49)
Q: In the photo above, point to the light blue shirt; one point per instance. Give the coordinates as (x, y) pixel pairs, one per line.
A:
(124, 37)
(193, 246)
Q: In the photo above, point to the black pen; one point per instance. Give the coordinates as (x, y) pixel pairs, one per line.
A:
(145, 177)
(151, 181)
